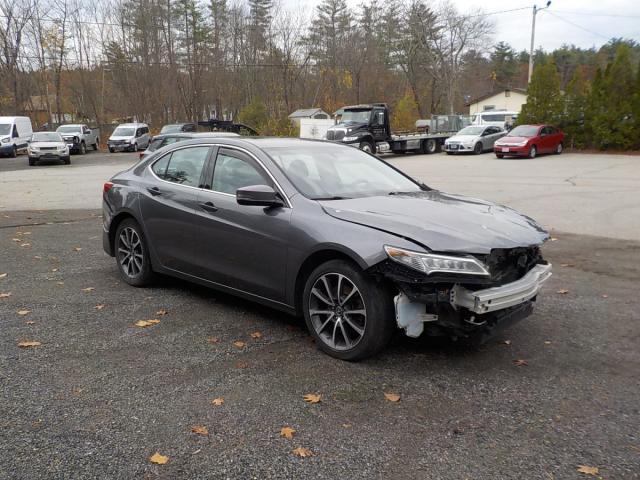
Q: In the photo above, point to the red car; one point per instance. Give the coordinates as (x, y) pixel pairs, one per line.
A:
(529, 141)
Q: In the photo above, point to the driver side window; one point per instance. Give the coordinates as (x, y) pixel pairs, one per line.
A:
(234, 170)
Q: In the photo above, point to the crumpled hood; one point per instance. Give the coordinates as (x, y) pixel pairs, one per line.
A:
(442, 222)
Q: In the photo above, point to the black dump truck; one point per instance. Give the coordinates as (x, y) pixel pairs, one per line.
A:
(367, 127)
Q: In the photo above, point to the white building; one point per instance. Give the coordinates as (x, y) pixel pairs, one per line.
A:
(508, 99)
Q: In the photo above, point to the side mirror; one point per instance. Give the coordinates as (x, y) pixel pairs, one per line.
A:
(258, 195)
(88, 132)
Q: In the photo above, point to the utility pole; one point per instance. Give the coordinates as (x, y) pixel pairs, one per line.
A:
(533, 36)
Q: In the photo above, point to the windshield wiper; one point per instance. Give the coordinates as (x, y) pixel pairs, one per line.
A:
(335, 197)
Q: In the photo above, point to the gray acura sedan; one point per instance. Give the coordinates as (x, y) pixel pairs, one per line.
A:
(328, 232)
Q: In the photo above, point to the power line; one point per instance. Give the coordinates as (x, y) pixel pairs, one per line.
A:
(577, 26)
(590, 14)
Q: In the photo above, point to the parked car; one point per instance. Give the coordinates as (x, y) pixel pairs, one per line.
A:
(328, 232)
(529, 141)
(79, 137)
(476, 139)
(48, 146)
(15, 133)
(497, 118)
(130, 137)
(178, 128)
(163, 140)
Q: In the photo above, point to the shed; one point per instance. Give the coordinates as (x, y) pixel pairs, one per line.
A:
(509, 99)
(315, 113)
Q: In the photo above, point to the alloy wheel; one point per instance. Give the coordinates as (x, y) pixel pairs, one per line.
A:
(130, 253)
(337, 311)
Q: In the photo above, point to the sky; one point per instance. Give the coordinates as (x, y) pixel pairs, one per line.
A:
(584, 23)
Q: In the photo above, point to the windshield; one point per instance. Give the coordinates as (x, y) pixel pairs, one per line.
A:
(68, 129)
(46, 137)
(5, 129)
(171, 129)
(334, 172)
(124, 132)
(356, 116)
(524, 131)
(471, 131)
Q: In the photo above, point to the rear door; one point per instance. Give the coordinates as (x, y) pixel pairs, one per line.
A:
(168, 205)
(242, 247)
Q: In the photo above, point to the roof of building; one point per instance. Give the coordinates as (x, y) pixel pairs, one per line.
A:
(497, 92)
(307, 112)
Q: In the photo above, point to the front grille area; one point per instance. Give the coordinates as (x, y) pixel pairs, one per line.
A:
(510, 264)
(335, 135)
(48, 148)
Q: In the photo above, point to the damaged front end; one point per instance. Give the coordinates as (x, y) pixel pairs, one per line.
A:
(463, 296)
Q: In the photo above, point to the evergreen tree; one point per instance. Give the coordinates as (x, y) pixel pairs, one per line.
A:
(544, 100)
(503, 64)
(636, 110)
(575, 101)
(612, 121)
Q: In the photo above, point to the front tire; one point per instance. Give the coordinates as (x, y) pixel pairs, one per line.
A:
(112, 150)
(348, 313)
(368, 147)
(499, 155)
(132, 254)
(66, 160)
(533, 151)
(32, 162)
(477, 149)
(14, 152)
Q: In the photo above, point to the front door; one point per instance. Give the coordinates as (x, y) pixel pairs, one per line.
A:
(168, 203)
(242, 247)
(378, 124)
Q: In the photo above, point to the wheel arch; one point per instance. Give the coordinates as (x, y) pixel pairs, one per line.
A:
(115, 222)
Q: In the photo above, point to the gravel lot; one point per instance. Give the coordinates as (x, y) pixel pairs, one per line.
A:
(99, 396)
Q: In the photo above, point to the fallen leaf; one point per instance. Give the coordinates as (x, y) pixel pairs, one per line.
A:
(547, 342)
(256, 335)
(24, 233)
(346, 425)
(5, 295)
(567, 265)
(3, 275)
(88, 289)
(563, 291)
(520, 363)
(161, 312)
(287, 432)
(239, 344)
(588, 470)
(507, 342)
(159, 459)
(392, 397)
(60, 283)
(100, 306)
(25, 244)
(553, 239)
(311, 398)
(200, 430)
(146, 323)
(28, 344)
(242, 365)
(77, 249)
(23, 312)
(30, 322)
(54, 269)
(213, 340)
(604, 295)
(37, 257)
(302, 452)
(16, 239)
(217, 401)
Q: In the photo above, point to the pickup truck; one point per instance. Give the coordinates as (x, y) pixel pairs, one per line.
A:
(79, 136)
(367, 127)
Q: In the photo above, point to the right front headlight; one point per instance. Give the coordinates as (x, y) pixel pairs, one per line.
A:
(429, 263)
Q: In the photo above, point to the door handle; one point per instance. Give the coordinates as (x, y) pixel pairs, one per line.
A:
(154, 191)
(209, 207)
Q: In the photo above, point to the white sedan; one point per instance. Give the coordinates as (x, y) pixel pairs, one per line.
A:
(474, 139)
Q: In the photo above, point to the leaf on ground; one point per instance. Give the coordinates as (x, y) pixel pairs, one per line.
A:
(588, 470)
(312, 398)
(29, 344)
(3, 275)
(23, 312)
(60, 283)
(16, 239)
(520, 362)
(54, 269)
(564, 265)
(242, 365)
(159, 459)
(507, 342)
(147, 323)
(199, 430)
(161, 312)
(256, 335)
(346, 425)
(547, 342)
(392, 397)
(5, 295)
(302, 452)
(100, 306)
(25, 244)
(88, 289)
(77, 249)
(563, 291)
(217, 401)
(24, 233)
(553, 239)
(37, 257)
(30, 322)
(213, 340)
(604, 295)
(239, 344)
(287, 432)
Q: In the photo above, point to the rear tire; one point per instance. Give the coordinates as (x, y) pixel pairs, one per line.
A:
(477, 148)
(354, 314)
(559, 149)
(96, 145)
(429, 146)
(111, 150)
(66, 160)
(14, 152)
(82, 149)
(132, 254)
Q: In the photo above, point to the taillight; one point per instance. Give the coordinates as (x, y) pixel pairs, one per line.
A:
(107, 186)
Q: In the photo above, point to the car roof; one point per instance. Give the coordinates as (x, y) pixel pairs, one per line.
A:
(196, 135)
(132, 124)
(260, 142)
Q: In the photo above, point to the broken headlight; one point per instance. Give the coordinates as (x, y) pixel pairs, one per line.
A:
(430, 262)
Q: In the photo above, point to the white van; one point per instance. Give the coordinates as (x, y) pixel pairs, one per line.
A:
(497, 118)
(15, 134)
(130, 137)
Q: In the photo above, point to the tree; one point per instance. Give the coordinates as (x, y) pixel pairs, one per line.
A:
(544, 101)
(405, 113)
(612, 123)
(503, 64)
(636, 109)
(575, 101)
(254, 115)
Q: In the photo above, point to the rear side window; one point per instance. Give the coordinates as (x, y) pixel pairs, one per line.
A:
(183, 166)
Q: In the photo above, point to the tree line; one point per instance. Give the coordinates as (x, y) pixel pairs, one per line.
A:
(255, 61)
